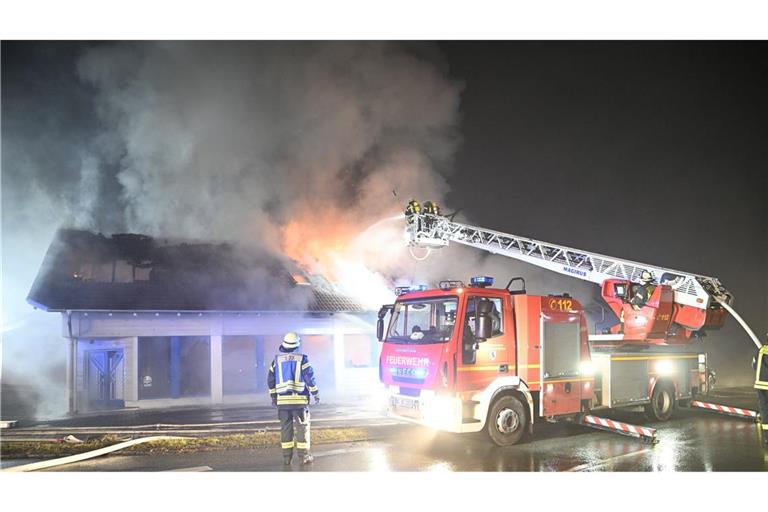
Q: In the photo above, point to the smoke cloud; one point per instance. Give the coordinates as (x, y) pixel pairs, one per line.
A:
(236, 141)
(293, 148)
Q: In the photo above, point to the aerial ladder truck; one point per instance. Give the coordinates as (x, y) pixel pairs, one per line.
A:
(465, 358)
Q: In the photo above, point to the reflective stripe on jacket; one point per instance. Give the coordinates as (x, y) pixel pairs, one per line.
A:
(291, 379)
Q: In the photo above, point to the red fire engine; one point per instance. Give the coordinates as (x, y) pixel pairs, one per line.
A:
(470, 358)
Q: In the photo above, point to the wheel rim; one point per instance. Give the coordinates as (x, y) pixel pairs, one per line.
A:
(663, 402)
(507, 421)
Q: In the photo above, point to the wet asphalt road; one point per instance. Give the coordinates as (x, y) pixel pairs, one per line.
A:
(691, 441)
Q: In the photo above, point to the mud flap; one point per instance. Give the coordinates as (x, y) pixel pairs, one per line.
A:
(645, 434)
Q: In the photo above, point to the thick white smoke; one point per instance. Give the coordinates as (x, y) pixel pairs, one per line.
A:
(236, 140)
(290, 147)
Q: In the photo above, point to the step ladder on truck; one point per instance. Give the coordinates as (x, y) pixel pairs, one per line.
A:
(467, 358)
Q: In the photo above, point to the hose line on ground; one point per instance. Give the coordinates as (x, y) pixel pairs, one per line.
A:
(84, 456)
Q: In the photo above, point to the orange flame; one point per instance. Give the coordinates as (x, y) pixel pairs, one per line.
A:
(332, 244)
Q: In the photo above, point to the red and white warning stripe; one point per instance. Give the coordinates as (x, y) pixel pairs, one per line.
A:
(732, 411)
(621, 428)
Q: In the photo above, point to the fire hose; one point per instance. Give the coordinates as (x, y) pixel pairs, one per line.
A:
(741, 322)
(46, 464)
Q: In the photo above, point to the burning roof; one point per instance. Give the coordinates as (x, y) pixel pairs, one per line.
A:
(129, 272)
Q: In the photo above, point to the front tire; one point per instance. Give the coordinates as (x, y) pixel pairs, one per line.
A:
(662, 402)
(507, 421)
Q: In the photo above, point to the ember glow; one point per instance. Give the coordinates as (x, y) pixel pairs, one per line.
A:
(352, 259)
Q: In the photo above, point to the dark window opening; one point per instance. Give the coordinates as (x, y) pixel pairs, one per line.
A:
(195, 366)
(240, 364)
(154, 368)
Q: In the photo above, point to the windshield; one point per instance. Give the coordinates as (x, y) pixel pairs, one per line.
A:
(423, 321)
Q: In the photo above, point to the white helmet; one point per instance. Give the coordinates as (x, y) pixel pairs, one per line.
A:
(291, 341)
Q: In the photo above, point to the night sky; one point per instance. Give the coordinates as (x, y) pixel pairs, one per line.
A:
(656, 152)
(650, 151)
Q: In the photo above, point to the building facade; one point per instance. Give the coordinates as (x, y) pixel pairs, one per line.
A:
(150, 342)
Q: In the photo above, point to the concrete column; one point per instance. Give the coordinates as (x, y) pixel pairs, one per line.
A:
(261, 365)
(71, 375)
(132, 383)
(338, 359)
(217, 377)
(175, 369)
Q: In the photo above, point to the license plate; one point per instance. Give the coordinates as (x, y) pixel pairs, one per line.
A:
(405, 403)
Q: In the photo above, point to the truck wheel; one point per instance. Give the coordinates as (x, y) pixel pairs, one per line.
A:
(507, 421)
(662, 402)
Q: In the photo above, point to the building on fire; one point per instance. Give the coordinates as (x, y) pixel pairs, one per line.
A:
(152, 323)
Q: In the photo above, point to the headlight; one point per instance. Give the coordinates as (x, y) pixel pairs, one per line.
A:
(586, 368)
(440, 412)
(665, 367)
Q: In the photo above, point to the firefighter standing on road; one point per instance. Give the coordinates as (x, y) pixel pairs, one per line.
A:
(760, 364)
(291, 380)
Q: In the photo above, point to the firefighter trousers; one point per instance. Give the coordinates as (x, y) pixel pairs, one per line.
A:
(294, 430)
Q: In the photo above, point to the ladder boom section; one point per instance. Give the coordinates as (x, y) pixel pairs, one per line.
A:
(435, 231)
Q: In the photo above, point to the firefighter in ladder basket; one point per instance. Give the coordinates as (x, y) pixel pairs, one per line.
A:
(643, 292)
(291, 380)
(760, 364)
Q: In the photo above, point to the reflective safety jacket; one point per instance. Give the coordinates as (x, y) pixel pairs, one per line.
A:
(761, 370)
(291, 379)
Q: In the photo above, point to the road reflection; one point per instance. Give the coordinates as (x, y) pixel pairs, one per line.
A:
(689, 443)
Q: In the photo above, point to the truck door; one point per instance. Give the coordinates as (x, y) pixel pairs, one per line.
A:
(560, 377)
(481, 362)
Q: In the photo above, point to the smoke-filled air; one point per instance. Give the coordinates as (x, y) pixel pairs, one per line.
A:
(309, 151)
(292, 147)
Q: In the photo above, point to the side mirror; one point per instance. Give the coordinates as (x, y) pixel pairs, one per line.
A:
(387, 308)
(483, 327)
(380, 329)
(483, 321)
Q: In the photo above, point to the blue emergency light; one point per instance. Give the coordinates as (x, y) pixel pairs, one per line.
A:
(481, 281)
(406, 289)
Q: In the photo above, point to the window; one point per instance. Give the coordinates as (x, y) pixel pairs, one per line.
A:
(496, 314)
(423, 321)
(173, 367)
(123, 272)
(468, 341)
(154, 368)
(195, 366)
(240, 364)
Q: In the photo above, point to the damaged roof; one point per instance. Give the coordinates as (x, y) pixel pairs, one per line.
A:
(128, 272)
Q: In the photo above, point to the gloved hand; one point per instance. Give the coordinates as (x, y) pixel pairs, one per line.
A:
(274, 402)
(317, 399)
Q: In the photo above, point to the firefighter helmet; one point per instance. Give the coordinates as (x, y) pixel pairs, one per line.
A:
(291, 341)
(646, 277)
(432, 208)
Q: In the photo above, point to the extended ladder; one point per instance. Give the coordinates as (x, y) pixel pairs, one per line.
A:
(434, 231)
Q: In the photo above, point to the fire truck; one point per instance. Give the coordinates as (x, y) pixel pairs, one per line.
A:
(470, 357)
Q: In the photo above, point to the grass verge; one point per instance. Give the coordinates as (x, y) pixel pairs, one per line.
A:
(263, 439)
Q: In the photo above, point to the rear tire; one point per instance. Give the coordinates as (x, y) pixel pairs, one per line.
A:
(507, 421)
(662, 402)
